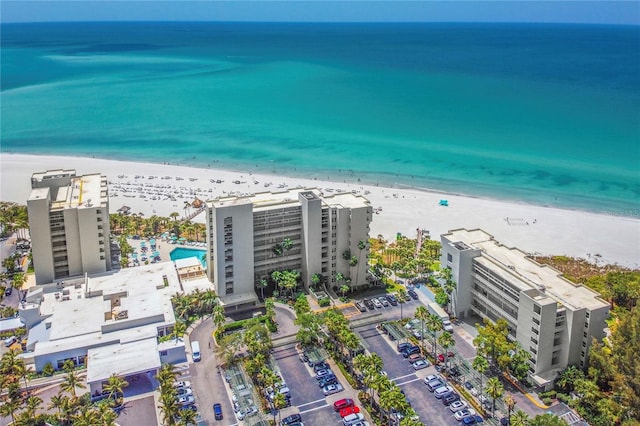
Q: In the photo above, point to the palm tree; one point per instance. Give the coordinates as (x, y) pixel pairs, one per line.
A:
(279, 402)
(71, 382)
(446, 341)
(510, 402)
(86, 417)
(115, 386)
(494, 390)
(179, 328)
(393, 400)
(480, 364)
(422, 313)
(32, 404)
(344, 289)
(169, 406)
(9, 408)
(434, 324)
(402, 298)
(218, 316)
(57, 402)
(519, 418)
(262, 284)
(106, 414)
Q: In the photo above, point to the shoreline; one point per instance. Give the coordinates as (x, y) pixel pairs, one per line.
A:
(532, 228)
(362, 178)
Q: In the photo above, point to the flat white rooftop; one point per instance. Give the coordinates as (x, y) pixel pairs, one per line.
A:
(122, 360)
(266, 200)
(514, 266)
(83, 191)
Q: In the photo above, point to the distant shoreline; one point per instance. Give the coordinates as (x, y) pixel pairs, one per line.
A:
(533, 229)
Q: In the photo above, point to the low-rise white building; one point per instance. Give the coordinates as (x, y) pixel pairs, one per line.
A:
(551, 317)
(113, 320)
(300, 229)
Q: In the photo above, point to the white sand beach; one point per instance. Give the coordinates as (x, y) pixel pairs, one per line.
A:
(162, 189)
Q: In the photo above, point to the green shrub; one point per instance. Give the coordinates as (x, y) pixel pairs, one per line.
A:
(547, 401)
(325, 301)
(48, 369)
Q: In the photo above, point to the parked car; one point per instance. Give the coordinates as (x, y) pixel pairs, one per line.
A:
(186, 400)
(182, 384)
(420, 364)
(291, 419)
(442, 391)
(349, 410)
(369, 304)
(8, 291)
(328, 380)
(320, 366)
(413, 294)
(342, 403)
(447, 326)
(452, 397)
(331, 389)
(402, 346)
(434, 384)
(10, 341)
(383, 300)
(360, 424)
(459, 415)
(217, 411)
(449, 356)
(324, 372)
(392, 300)
(415, 357)
(457, 406)
(377, 303)
(184, 391)
(361, 307)
(410, 351)
(472, 420)
(351, 419)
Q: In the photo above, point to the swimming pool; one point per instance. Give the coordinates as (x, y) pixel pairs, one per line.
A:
(183, 253)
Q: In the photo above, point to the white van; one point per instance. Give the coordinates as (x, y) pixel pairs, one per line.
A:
(352, 418)
(195, 350)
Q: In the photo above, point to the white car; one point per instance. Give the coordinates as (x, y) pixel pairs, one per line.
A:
(457, 406)
(459, 415)
(184, 391)
(420, 364)
(446, 325)
(376, 303)
(331, 389)
(360, 424)
(186, 400)
(182, 384)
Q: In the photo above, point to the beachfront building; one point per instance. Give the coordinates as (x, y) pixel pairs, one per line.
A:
(69, 225)
(551, 317)
(306, 230)
(114, 323)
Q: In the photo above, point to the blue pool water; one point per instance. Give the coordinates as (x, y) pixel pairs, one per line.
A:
(183, 253)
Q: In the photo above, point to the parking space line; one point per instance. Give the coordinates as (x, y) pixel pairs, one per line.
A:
(402, 377)
(313, 409)
(312, 402)
(408, 381)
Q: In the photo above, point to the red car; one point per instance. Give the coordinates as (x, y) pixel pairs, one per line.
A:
(349, 410)
(342, 404)
(449, 355)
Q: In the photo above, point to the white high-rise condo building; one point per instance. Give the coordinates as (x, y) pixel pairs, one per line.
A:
(249, 237)
(551, 317)
(69, 225)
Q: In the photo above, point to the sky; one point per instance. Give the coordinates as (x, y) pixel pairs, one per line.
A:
(545, 11)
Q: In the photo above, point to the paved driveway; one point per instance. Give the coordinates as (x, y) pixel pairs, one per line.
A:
(139, 412)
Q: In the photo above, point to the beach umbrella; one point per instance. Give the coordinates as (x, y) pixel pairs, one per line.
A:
(134, 255)
(182, 239)
(173, 237)
(152, 242)
(143, 243)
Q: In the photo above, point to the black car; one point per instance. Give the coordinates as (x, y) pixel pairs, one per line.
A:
(413, 294)
(293, 418)
(8, 291)
(411, 350)
(321, 366)
(403, 346)
(369, 304)
(392, 299)
(447, 400)
(329, 380)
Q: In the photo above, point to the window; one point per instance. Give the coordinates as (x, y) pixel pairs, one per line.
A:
(536, 321)
(537, 309)
(587, 315)
(449, 257)
(534, 340)
(163, 353)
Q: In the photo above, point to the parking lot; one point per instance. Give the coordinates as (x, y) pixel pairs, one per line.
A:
(430, 409)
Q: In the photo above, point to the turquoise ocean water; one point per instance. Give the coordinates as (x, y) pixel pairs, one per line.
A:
(545, 114)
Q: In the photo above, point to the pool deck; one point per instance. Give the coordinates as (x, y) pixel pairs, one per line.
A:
(162, 246)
